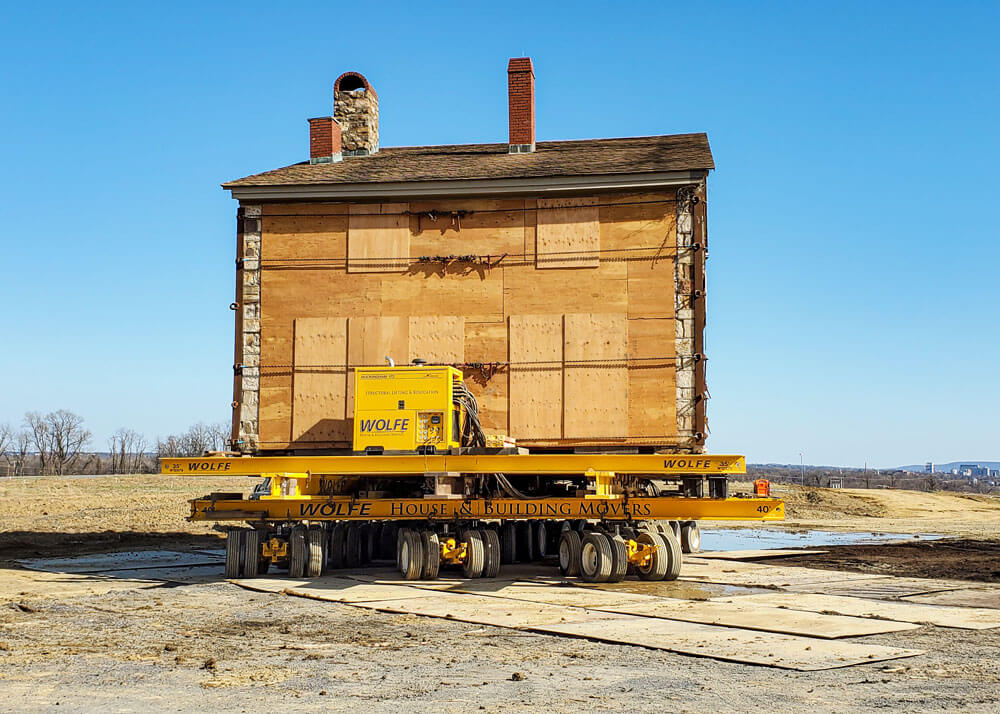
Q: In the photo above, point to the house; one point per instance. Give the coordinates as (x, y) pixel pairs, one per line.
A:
(565, 278)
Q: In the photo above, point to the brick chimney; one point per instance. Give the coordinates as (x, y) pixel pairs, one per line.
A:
(324, 141)
(521, 105)
(355, 107)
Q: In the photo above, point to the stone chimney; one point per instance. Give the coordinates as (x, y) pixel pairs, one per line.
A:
(355, 108)
(521, 105)
(324, 141)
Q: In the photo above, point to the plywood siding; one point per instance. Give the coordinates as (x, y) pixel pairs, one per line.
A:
(378, 238)
(319, 382)
(536, 375)
(533, 319)
(595, 378)
(568, 233)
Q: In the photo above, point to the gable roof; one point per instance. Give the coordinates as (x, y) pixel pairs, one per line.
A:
(478, 162)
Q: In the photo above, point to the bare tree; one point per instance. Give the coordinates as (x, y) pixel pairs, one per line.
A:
(198, 439)
(39, 432)
(127, 449)
(18, 453)
(221, 432)
(58, 437)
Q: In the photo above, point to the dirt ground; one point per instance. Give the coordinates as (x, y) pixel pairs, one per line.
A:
(216, 647)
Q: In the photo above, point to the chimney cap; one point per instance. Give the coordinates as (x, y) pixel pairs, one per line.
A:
(350, 81)
(520, 64)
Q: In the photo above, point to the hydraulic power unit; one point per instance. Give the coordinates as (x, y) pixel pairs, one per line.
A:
(407, 409)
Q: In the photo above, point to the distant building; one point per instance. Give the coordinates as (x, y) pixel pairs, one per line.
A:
(929, 467)
(972, 471)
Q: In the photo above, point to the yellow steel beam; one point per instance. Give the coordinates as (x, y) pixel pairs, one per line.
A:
(321, 508)
(662, 464)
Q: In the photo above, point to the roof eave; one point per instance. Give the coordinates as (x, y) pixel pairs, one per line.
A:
(546, 185)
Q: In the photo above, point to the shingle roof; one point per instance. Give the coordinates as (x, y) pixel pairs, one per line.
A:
(645, 154)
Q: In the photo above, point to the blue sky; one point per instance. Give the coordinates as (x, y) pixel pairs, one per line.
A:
(854, 261)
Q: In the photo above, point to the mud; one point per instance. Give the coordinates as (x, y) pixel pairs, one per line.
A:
(959, 559)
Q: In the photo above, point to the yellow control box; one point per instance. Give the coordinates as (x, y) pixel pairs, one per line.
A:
(406, 409)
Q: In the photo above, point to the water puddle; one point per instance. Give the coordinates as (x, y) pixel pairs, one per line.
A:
(713, 539)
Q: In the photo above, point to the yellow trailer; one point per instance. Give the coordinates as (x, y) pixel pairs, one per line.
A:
(426, 487)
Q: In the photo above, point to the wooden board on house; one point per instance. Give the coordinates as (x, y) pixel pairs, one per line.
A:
(486, 342)
(595, 376)
(437, 339)
(536, 358)
(568, 233)
(319, 402)
(652, 385)
(378, 238)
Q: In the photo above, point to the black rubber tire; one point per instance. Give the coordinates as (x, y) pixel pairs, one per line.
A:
(316, 552)
(595, 558)
(491, 553)
(619, 559)
(656, 567)
(674, 555)
(250, 545)
(297, 555)
(234, 552)
(525, 543)
(432, 555)
(411, 555)
(569, 553)
(676, 527)
(374, 541)
(690, 537)
(541, 534)
(508, 543)
(263, 566)
(387, 541)
(364, 546)
(352, 546)
(335, 551)
(475, 554)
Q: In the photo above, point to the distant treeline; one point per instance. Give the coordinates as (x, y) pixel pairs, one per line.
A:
(826, 476)
(59, 443)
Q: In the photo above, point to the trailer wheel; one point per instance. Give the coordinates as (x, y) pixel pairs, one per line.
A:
(595, 557)
(491, 553)
(364, 534)
(541, 540)
(387, 542)
(335, 552)
(432, 555)
(411, 555)
(251, 552)
(619, 559)
(475, 554)
(316, 554)
(525, 543)
(508, 543)
(674, 556)
(374, 540)
(655, 566)
(297, 552)
(352, 546)
(234, 552)
(675, 526)
(569, 552)
(690, 537)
